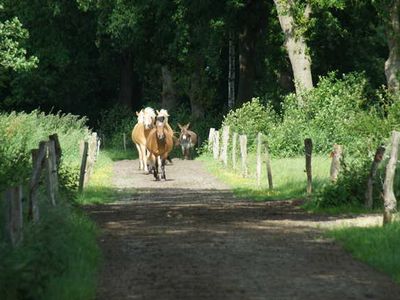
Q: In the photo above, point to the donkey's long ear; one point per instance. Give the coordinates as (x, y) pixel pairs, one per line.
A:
(180, 126)
(187, 125)
(137, 114)
(157, 111)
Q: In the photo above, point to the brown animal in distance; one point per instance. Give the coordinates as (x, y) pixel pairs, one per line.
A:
(187, 140)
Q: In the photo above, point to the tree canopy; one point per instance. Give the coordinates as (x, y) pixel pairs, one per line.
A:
(85, 56)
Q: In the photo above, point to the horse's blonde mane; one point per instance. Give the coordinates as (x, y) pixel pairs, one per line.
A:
(163, 112)
(150, 111)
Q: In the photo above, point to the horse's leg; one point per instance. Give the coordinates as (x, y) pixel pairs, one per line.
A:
(163, 169)
(140, 157)
(156, 169)
(144, 156)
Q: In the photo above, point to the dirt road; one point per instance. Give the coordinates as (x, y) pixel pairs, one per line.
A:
(188, 238)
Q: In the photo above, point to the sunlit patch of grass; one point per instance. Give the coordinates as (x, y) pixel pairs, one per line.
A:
(377, 246)
(289, 178)
(100, 189)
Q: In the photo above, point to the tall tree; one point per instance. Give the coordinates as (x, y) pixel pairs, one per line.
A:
(392, 25)
(295, 42)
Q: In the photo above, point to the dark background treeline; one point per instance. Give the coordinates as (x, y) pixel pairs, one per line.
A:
(95, 54)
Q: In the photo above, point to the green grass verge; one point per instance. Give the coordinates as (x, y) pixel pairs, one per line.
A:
(57, 259)
(99, 189)
(289, 178)
(59, 256)
(377, 246)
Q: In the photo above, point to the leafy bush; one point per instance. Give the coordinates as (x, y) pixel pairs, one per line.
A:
(251, 118)
(21, 132)
(59, 253)
(333, 112)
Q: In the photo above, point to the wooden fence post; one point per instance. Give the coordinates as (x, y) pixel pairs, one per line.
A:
(38, 158)
(51, 173)
(336, 155)
(92, 151)
(57, 146)
(308, 152)
(14, 217)
(211, 139)
(224, 148)
(259, 159)
(388, 194)
(84, 147)
(216, 144)
(243, 152)
(268, 163)
(234, 147)
(380, 151)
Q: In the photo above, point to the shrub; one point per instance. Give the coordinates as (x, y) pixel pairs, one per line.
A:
(21, 132)
(333, 112)
(251, 118)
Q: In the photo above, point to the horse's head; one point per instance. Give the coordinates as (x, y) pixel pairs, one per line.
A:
(160, 125)
(184, 132)
(162, 115)
(148, 117)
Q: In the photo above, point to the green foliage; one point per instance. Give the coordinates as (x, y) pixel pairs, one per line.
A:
(333, 112)
(21, 132)
(12, 55)
(57, 258)
(113, 123)
(349, 190)
(251, 118)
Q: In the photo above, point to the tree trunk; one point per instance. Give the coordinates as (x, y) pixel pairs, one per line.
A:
(295, 44)
(392, 64)
(369, 200)
(232, 71)
(247, 67)
(195, 94)
(389, 199)
(126, 85)
(168, 94)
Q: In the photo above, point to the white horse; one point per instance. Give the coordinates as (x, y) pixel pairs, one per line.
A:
(146, 121)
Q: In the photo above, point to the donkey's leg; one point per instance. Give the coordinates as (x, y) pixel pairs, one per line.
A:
(183, 152)
(140, 157)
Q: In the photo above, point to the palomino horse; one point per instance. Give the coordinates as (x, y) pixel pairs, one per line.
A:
(160, 144)
(140, 133)
(187, 140)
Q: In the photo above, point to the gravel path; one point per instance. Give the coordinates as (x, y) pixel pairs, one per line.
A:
(190, 238)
